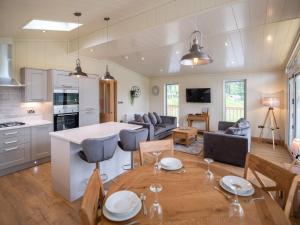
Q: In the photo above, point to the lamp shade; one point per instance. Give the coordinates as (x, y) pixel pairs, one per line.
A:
(295, 148)
(271, 101)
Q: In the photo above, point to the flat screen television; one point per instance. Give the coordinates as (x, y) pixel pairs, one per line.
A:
(201, 95)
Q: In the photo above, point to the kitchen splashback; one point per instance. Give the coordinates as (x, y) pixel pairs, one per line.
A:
(11, 104)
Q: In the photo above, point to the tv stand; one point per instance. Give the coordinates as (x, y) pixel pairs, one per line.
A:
(203, 117)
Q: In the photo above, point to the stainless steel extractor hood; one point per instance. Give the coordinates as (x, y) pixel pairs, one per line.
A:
(6, 67)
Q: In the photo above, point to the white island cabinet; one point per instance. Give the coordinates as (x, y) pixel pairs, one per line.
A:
(69, 172)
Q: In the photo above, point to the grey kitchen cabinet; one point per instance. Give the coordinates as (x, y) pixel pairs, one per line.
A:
(88, 100)
(35, 81)
(14, 147)
(40, 141)
(88, 118)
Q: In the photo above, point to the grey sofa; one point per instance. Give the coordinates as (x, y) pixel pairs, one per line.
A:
(159, 130)
(227, 148)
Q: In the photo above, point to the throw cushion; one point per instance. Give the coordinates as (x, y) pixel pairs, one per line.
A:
(158, 118)
(242, 123)
(152, 118)
(138, 118)
(236, 131)
(146, 118)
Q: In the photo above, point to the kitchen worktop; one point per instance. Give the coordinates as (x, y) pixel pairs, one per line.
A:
(77, 135)
(28, 123)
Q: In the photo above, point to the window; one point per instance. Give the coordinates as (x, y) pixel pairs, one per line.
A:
(172, 100)
(234, 100)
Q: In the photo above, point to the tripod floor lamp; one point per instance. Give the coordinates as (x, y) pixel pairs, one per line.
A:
(271, 102)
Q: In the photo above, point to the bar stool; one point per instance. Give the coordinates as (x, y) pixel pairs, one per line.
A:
(96, 150)
(129, 141)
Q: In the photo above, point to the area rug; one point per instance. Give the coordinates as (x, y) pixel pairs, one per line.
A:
(195, 148)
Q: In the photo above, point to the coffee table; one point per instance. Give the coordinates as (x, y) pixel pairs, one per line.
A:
(185, 136)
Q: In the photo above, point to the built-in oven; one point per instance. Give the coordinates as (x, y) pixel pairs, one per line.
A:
(66, 121)
(65, 97)
(65, 109)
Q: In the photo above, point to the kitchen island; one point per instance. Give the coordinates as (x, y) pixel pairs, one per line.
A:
(69, 172)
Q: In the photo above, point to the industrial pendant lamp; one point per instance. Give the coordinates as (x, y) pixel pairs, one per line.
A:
(78, 71)
(107, 75)
(197, 55)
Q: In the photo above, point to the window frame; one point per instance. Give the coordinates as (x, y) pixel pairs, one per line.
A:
(166, 99)
(224, 96)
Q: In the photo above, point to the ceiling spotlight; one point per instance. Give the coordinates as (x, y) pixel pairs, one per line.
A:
(43, 31)
(126, 57)
(232, 62)
(226, 44)
(177, 52)
(142, 58)
(269, 38)
(91, 50)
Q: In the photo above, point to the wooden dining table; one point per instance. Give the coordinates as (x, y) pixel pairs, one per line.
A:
(189, 198)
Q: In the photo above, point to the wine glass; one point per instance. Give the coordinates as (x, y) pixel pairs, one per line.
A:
(156, 187)
(209, 173)
(157, 165)
(236, 209)
(156, 212)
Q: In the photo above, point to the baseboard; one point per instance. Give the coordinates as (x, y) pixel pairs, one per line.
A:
(27, 165)
(268, 140)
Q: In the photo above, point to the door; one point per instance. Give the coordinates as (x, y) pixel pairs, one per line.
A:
(291, 109)
(172, 100)
(108, 100)
(297, 106)
(234, 100)
(40, 142)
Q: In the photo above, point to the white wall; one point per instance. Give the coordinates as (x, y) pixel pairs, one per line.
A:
(258, 84)
(53, 55)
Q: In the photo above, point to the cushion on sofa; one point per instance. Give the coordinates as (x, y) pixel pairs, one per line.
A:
(146, 118)
(242, 123)
(158, 130)
(152, 118)
(158, 118)
(237, 131)
(138, 118)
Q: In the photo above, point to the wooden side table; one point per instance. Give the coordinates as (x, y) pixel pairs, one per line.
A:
(204, 117)
(185, 136)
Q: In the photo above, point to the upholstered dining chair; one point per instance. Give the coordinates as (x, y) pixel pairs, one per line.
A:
(282, 178)
(90, 209)
(155, 146)
(130, 140)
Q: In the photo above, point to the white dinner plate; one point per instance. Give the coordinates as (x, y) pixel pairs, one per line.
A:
(246, 187)
(122, 202)
(170, 163)
(123, 217)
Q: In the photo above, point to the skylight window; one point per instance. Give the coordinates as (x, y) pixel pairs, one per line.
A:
(50, 25)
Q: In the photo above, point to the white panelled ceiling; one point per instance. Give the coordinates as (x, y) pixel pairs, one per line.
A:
(252, 35)
(242, 35)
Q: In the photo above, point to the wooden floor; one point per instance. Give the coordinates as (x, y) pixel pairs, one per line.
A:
(27, 198)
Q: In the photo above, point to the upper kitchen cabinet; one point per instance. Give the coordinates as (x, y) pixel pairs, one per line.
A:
(61, 79)
(88, 93)
(35, 81)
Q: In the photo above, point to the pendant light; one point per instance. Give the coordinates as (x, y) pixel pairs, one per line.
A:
(197, 55)
(78, 71)
(107, 75)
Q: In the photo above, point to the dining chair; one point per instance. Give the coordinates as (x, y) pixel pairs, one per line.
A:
(155, 146)
(282, 178)
(93, 198)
